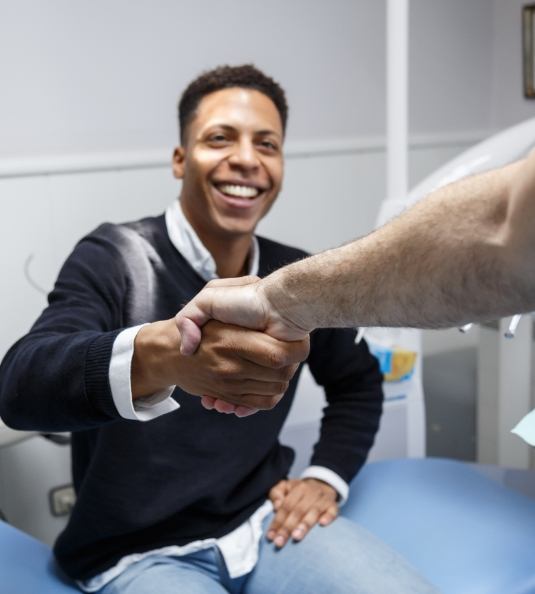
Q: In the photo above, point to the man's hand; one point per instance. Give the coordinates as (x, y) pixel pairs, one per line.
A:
(240, 301)
(299, 506)
(247, 369)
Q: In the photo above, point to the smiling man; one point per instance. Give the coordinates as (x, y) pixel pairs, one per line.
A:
(172, 497)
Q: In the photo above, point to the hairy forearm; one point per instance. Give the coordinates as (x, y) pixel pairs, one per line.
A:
(450, 259)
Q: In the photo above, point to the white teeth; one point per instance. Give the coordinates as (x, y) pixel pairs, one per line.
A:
(239, 191)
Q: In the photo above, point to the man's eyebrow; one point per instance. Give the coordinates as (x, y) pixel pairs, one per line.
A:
(267, 132)
(225, 127)
(230, 128)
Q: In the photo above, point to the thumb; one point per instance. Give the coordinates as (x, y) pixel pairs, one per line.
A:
(190, 334)
(192, 317)
(278, 493)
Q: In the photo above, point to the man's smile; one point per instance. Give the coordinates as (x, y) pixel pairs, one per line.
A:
(236, 194)
(238, 191)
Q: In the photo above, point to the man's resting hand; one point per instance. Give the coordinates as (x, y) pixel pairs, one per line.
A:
(300, 505)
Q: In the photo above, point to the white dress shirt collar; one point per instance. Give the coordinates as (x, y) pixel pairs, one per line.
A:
(187, 242)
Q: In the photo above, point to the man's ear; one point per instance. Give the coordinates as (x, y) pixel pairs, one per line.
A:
(179, 157)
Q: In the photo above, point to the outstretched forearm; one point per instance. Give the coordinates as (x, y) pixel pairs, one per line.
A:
(466, 253)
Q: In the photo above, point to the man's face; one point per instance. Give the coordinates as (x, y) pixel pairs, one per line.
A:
(231, 163)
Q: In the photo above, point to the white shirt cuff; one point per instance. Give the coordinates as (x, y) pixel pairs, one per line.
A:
(331, 478)
(143, 409)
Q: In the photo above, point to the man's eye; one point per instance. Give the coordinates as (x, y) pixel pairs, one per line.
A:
(269, 145)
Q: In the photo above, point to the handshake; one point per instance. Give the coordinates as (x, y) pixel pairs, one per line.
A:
(257, 346)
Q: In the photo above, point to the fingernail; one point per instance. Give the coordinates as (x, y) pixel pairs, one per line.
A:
(279, 541)
(270, 535)
(297, 534)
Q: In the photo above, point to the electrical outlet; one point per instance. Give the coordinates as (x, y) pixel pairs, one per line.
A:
(62, 500)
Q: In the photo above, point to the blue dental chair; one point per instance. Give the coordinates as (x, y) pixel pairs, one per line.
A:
(27, 565)
(465, 532)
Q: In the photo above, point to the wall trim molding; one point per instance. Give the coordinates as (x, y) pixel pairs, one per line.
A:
(159, 158)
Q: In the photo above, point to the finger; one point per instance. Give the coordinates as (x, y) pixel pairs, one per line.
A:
(208, 402)
(278, 520)
(307, 522)
(224, 407)
(245, 411)
(238, 371)
(306, 505)
(296, 523)
(258, 402)
(269, 352)
(329, 515)
(281, 537)
(241, 411)
(236, 388)
(281, 527)
(258, 347)
(278, 492)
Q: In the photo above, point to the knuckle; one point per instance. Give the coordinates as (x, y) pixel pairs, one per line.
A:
(288, 372)
(226, 371)
(277, 358)
(299, 351)
(280, 387)
(286, 508)
(285, 529)
(301, 509)
(252, 401)
(272, 401)
(305, 347)
(293, 519)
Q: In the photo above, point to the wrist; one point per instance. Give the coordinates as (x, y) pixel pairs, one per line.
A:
(280, 299)
(325, 487)
(156, 348)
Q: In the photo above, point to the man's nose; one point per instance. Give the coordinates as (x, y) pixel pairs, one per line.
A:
(244, 155)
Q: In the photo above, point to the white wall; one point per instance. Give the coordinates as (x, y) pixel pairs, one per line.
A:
(450, 64)
(106, 75)
(100, 76)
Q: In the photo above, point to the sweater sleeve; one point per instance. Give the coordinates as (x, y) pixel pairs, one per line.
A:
(353, 387)
(56, 377)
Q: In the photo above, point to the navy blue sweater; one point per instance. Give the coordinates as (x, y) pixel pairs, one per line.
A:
(186, 475)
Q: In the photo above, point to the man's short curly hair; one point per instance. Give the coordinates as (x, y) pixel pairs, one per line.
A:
(246, 76)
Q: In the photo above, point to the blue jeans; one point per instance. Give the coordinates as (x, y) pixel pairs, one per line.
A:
(342, 558)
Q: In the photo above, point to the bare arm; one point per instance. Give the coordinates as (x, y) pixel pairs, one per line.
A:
(466, 253)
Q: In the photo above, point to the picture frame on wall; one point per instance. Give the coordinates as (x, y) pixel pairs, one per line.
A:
(528, 50)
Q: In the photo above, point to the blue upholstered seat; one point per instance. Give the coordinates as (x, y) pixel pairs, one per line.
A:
(465, 532)
(27, 566)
